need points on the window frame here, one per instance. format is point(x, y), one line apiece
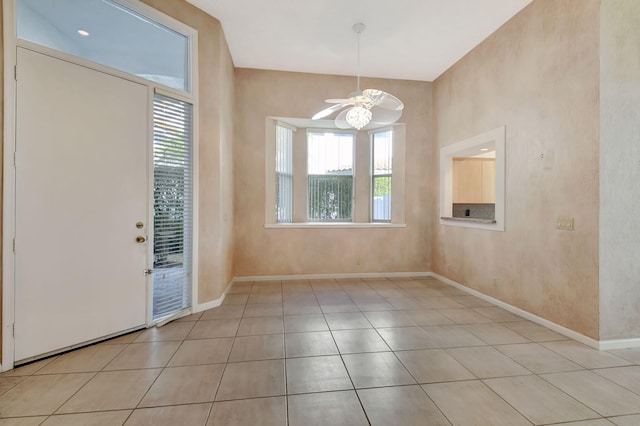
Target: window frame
point(353, 172)
point(188, 203)
point(146, 13)
point(373, 175)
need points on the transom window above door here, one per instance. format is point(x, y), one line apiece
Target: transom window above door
point(111, 33)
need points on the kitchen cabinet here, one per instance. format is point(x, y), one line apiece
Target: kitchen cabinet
point(474, 180)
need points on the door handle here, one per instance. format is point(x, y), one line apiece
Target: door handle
point(140, 239)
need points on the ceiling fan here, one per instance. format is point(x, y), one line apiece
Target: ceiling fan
point(368, 108)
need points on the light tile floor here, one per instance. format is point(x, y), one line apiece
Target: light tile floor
point(408, 351)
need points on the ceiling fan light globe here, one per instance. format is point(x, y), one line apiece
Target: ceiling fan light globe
point(373, 93)
point(358, 117)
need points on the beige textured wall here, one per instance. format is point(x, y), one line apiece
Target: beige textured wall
point(539, 76)
point(619, 169)
point(1, 148)
point(226, 181)
point(260, 251)
point(216, 97)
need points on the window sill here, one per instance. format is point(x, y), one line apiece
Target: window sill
point(469, 219)
point(333, 225)
point(470, 222)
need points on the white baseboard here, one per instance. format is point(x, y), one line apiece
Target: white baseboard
point(331, 276)
point(609, 345)
point(524, 314)
point(212, 303)
point(209, 305)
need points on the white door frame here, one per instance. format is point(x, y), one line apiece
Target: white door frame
point(8, 183)
point(9, 145)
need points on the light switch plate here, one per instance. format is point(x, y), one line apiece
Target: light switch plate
point(564, 223)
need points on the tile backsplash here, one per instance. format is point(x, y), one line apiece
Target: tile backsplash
point(476, 211)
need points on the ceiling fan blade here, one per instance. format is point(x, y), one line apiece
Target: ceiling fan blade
point(341, 120)
point(385, 116)
point(328, 111)
point(338, 101)
point(383, 99)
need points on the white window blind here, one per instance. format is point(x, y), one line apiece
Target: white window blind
point(173, 205)
point(284, 174)
point(381, 174)
point(330, 176)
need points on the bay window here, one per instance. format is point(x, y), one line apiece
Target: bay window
point(328, 177)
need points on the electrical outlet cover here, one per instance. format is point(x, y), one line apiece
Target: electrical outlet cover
point(564, 223)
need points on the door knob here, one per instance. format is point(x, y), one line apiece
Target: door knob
point(140, 239)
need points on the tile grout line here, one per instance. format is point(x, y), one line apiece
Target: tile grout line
point(95, 374)
point(344, 364)
point(608, 379)
point(541, 376)
point(286, 387)
point(481, 380)
point(416, 380)
point(224, 369)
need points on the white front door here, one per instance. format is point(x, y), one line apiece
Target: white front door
point(81, 188)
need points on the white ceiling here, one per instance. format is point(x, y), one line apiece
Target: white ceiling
point(404, 39)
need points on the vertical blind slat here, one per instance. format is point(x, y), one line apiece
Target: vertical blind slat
point(284, 175)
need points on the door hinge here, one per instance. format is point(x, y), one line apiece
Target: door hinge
point(14, 329)
point(15, 72)
point(14, 159)
point(14, 245)
point(148, 272)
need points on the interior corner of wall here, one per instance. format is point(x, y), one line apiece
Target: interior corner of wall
point(200, 306)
